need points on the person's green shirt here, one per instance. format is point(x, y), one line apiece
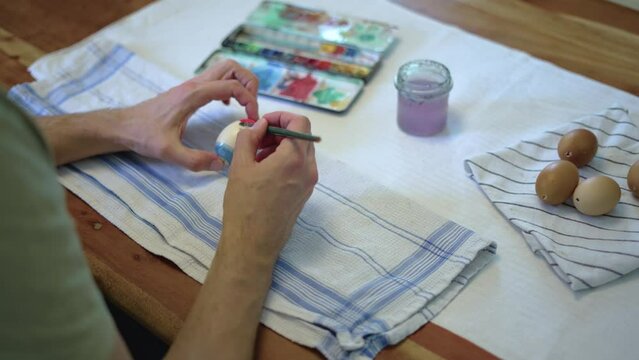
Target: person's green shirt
point(50, 306)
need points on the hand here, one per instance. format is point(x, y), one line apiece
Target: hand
point(270, 180)
point(155, 127)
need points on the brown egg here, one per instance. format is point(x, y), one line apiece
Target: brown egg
point(633, 179)
point(556, 182)
point(578, 146)
point(597, 195)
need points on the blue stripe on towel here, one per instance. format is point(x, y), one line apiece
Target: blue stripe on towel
point(101, 71)
point(383, 272)
point(375, 289)
point(72, 168)
point(395, 229)
point(179, 205)
point(415, 265)
point(194, 218)
point(24, 95)
point(95, 50)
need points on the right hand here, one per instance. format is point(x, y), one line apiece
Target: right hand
point(270, 180)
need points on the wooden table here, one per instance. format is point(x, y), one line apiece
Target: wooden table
point(591, 37)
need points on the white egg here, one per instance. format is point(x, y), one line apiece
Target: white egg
point(225, 143)
point(596, 196)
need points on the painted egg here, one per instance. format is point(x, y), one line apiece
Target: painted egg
point(225, 143)
point(633, 179)
point(596, 196)
point(578, 146)
point(556, 182)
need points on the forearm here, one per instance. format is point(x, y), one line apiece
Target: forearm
point(224, 319)
point(77, 136)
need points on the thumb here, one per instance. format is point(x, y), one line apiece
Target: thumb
point(194, 160)
point(248, 141)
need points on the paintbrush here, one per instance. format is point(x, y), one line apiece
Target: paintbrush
point(274, 130)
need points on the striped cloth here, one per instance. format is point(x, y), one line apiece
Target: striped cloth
point(584, 251)
point(364, 267)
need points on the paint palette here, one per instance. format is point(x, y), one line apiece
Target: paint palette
point(305, 55)
point(295, 82)
point(361, 33)
point(314, 54)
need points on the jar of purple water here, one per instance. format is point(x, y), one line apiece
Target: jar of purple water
point(422, 89)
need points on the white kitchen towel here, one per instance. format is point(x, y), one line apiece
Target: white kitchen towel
point(364, 267)
point(584, 251)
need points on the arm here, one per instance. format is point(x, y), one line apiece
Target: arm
point(225, 316)
point(154, 127)
point(77, 136)
point(223, 321)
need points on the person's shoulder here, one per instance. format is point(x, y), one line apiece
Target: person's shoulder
point(16, 127)
point(51, 305)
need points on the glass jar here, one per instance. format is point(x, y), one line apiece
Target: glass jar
point(422, 89)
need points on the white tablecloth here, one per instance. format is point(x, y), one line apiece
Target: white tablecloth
point(516, 307)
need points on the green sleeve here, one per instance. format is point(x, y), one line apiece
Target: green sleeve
point(50, 306)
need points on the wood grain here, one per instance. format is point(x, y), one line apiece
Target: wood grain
point(603, 12)
point(16, 48)
point(11, 71)
point(597, 50)
point(52, 25)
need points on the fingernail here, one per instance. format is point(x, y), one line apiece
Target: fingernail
point(247, 122)
point(258, 123)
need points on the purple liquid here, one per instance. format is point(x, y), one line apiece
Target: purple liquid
point(422, 116)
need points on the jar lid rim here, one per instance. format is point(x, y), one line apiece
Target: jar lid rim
point(441, 87)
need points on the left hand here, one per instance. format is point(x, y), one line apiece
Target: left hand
point(155, 127)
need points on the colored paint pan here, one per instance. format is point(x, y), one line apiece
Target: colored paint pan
point(240, 40)
point(295, 82)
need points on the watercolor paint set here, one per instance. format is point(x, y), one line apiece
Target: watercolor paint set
point(295, 82)
point(319, 24)
point(315, 55)
point(305, 55)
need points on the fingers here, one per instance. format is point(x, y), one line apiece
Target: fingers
point(224, 90)
point(248, 142)
point(245, 77)
point(254, 139)
point(192, 159)
point(284, 120)
point(270, 140)
point(264, 152)
point(289, 121)
point(293, 122)
point(231, 70)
